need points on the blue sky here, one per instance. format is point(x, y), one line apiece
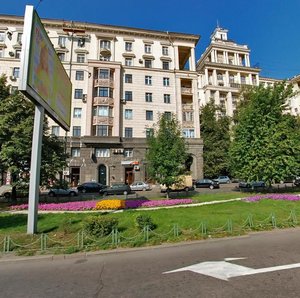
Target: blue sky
point(269, 27)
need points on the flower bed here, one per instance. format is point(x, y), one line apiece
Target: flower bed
point(104, 205)
point(286, 197)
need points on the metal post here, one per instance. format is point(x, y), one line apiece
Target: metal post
point(35, 168)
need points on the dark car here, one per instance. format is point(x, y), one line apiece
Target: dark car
point(207, 183)
point(63, 192)
point(116, 189)
point(252, 185)
point(297, 181)
point(90, 187)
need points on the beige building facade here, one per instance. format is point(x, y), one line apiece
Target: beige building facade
point(122, 78)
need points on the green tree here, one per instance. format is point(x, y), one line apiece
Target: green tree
point(215, 132)
point(266, 140)
point(16, 128)
point(167, 152)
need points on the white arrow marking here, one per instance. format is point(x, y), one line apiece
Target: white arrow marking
point(224, 270)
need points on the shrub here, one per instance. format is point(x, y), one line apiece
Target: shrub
point(100, 225)
point(110, 204)
point(145, 220)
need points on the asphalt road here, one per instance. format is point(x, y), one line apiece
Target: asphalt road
point(141, 272)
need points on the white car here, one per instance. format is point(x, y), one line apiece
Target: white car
point(139, 185)
point(5, 191)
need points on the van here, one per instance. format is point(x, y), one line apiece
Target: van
point(5, 191)
point(186, 183)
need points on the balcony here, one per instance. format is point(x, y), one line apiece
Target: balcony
point(103, 120)
point(104, 83)
point(187, 107)
point(103, 101)
point(105, 52)
point(186, 90)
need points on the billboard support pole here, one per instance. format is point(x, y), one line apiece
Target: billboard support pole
point(35, 169)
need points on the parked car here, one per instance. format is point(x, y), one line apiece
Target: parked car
point(252, 185)
point(140, 185)
point(116, 189)
point(5, 191)
point(207, 183)
point(90, 187)
point(53, 192)
point(185, 184)
point(222, 179)
point(297, 181)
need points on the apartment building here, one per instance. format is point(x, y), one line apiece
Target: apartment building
point(223, 69)
point(122, 78)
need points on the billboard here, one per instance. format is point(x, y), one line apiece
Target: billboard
point(43, 78)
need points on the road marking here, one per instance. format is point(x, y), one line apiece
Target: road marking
point(224, 270)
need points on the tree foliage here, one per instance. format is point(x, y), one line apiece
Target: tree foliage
point(16, 129)
point(167, 152)
point(215, 132)
point(266, 141)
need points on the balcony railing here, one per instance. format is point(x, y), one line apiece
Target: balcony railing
point(186, 90)
point(103, 101)
point(187, 107)
point(102, 120)
point(104, 82)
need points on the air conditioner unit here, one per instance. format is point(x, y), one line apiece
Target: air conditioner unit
point(20, 42)
point(136, 168)
point(11, 54)
point(12, 78)
point(84, 97)
point(141, 61)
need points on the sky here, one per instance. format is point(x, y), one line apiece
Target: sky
point(270, 28)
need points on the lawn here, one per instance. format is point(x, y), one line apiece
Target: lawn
point(177, 224)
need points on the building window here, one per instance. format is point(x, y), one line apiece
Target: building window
point(128, 46)
point(148, 63)
point(128, 114)
point(148, 80)
point(149, 132)
point(105, 44)
point(19, 37)
point(167, 98)
point(166, 82)
point(128, 62)
point(2, 36)
point(243, 80)
point(103, 73)
point(220, 77)
point(81, 42)
point(104, 92)
point(2, 53)
point(149, 115)
point(148, 97)
point(165, 51)
point(128, 78)
point(77, 112)
point(18, 54)
point(61, 56)
point(166, 65)
point(102, 130)
point(104, 58)
point(76, 131)
point(168, 115)
point(188, 133)
point(128, 152)
point(62, 41)
point(16, 72)
point(148, 48)
point(79, 76)
point(102, 152)
point(78, 93)
point(103, 111)
point(55, 130)
point(75, 152)
point(128, 95)
point(128, 132)
point(80, 58)
point(188, 116)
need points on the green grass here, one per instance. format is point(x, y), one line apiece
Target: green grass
point(64, 228)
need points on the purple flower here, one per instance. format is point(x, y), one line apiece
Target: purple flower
point(286, 197)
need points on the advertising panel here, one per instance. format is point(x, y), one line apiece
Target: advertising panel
point(43, 77)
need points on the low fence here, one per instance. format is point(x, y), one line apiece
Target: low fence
point(83, 242)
